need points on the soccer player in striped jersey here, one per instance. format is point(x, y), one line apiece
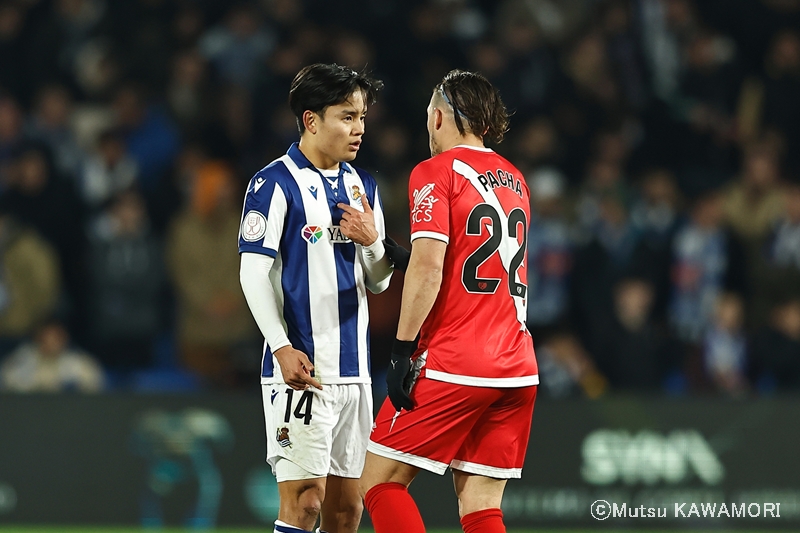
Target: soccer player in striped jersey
point(311, 245)
point(463, 396)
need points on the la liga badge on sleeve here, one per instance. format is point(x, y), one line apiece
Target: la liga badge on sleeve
point(254, 226)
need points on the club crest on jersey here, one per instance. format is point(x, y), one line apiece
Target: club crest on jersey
point(283, 437)
point(312, 233)
point(355, 192)
point(254, 226)
point(423, 203)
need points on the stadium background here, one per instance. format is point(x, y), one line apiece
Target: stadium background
point(660, 140)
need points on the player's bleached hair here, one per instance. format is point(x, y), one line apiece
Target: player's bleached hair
point(319, 86)
point(476, 103)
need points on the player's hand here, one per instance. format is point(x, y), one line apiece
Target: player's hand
point(399, 378)
point(398, 255)
point(296, 368)
point(359, 226)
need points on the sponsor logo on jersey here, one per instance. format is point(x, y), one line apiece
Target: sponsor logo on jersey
point(283, 437)
point(336, 236)
point(312, 233)
point(423, 204)
point(254, 226)
point(313, 190)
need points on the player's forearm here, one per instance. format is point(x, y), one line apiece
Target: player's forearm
point(254, 278)
point(421, 286)
point(377, 267)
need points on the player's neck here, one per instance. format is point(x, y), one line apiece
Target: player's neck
point(465, 140)
point(317, 158)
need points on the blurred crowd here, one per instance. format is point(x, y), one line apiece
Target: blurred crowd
point(660, 140)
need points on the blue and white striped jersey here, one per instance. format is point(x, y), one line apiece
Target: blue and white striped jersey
point(290, 214)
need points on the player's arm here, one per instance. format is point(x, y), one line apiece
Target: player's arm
point(420, 289)
point(254, 277)
point(361, 228)
point(421, 285)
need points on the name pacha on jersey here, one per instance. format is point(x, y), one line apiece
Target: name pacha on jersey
point(503, 179)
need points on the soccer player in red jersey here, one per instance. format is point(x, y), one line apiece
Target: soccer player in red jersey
point(463, 397)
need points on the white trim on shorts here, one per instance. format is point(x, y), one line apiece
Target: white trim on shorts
point(475, 381)
point(487, 471)
point(414, 460)
point(286, 470)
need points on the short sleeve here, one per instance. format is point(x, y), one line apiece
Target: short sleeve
point(263, 216)
point(429, 201)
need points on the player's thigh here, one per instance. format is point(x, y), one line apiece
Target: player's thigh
point(429, 435)
point(498, 442)
point(350, 433)
point(299, 427)
point(476, 493)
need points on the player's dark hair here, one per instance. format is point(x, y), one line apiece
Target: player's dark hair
point(477, 102)
point(319, 86)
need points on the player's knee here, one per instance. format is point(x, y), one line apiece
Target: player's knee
point(310, 500)
point(353, 510)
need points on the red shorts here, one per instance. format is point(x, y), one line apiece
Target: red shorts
point(480, 430)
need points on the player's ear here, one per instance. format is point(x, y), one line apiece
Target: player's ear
point(310, 121)
point(438, 118)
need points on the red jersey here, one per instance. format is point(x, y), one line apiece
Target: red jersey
point(477, 202)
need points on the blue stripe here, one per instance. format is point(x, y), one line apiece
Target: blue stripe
point(345, 256)
point(267, 367)
point(257, 249)
point(348, 309)
point(294, 275)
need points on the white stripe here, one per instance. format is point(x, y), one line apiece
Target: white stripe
point(322, 281)
point(508, 246)
point(351, 179)
point(488, 471)
point(414, 460)
point(474, 381)
point(430, 235)
point(276, 217)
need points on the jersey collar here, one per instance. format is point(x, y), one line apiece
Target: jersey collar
point(477, 148)
point(302, 161)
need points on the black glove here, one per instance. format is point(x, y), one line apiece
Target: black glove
point(398, 255)
point(399, 377)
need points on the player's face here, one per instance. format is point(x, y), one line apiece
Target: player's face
point(340, 129)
